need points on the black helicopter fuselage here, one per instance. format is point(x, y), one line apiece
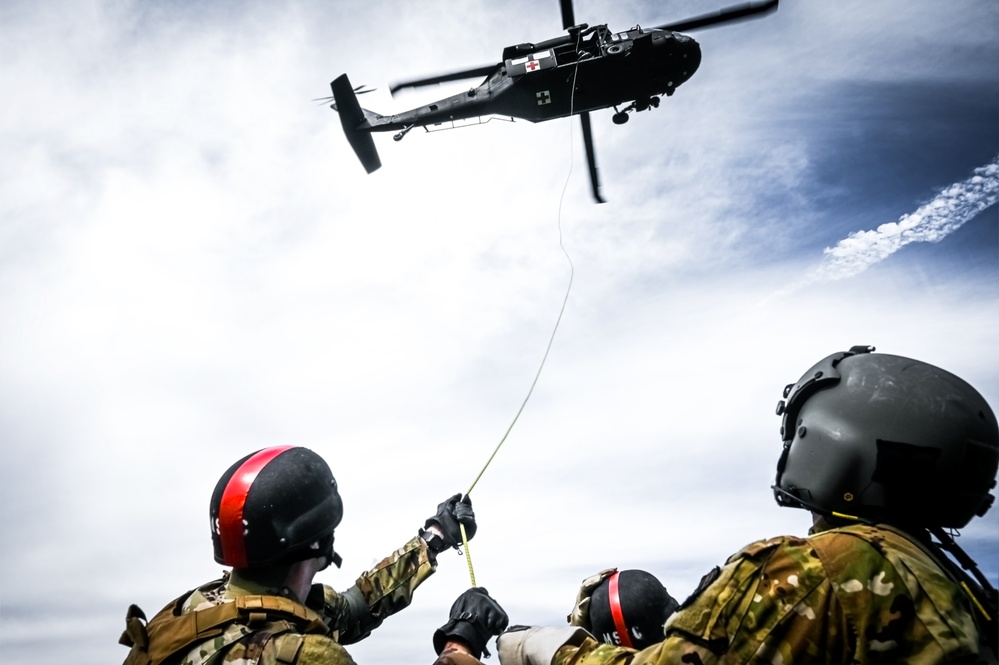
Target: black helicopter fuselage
point(583, 71)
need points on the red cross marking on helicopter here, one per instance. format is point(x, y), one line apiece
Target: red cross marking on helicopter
point(531, 65)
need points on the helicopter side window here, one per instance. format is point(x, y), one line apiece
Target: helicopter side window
point(587, 46)
point(565, 54)
point(579, 49)
point(592, 42)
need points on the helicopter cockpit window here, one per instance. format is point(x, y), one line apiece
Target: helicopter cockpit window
point(565, 54)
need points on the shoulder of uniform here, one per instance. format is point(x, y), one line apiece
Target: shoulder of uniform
point(765, 580)
point(868, 568)
point(855, 544)
point(786, 555)
point(877, 536)
point(754, 560)
point(200, 597)
point(858, 530)
point(320, 650)
point(763, 548)
point(858, 550)
point(877, 569)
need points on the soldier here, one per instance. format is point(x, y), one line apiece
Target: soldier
point(272, 519)
point(625, 608)
point(888, 454)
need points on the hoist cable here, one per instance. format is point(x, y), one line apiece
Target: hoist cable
point(551, 340)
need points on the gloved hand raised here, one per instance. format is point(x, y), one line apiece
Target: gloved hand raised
point(450, 514)
point(475, 617)
point(580, 615)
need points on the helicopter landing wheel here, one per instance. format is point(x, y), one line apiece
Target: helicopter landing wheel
point(654, 102)
point(620, 118)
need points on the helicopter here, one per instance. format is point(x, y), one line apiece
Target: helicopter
point(584, 70)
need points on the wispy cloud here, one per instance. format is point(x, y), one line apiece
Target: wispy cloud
point(932, 222)
point(193, 265)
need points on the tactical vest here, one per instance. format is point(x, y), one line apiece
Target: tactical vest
point(171, 634)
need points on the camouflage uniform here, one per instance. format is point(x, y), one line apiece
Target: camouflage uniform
point(288, 632)
point(855, 594)
point(456, 657)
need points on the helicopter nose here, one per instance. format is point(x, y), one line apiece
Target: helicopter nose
point(686, 56)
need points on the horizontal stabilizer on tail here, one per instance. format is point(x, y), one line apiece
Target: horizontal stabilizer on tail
point(352, 119)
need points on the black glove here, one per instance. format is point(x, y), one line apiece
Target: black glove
point(475, 617)
point(450, 514)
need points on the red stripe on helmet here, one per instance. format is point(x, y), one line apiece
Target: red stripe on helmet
point(231, 526)
point(615, 605)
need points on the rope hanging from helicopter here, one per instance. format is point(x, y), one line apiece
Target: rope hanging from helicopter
point(551, 339)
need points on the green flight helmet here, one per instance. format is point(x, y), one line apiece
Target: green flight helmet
point(885, 438)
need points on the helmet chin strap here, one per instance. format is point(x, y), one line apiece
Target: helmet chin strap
point(330, 555)
point(789, 500)
point(614, 598)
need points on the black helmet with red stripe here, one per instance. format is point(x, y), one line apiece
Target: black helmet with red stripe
point(629, 609)
point(275, 506)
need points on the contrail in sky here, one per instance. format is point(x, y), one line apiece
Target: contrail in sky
point(931, 222)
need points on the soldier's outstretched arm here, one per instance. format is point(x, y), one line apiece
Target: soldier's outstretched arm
point(388, 587)
point(523, 645)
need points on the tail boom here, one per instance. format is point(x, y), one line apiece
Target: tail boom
point(355, 126)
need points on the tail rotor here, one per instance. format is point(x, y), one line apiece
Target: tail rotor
point(359, 90)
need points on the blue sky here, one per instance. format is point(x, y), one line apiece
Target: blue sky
point(194, 266)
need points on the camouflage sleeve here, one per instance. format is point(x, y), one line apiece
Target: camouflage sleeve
point(592, 652)
point(772, 602)
point(455, 657)
point(851, 595)
point(767, 603)
point(382, 591)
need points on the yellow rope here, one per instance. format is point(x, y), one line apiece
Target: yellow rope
point(551, 340)
point(468, 554)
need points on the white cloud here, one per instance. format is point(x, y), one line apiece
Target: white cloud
point(948, 211)
point(193, 266)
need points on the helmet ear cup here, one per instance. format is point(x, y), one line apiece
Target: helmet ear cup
point(277, 505)
point(642, 603)
point(893, 439)
point(821, 467)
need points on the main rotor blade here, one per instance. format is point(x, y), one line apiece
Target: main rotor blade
point(441, 78)
point(734, 13)
point(591, 158)
point(568, 16)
